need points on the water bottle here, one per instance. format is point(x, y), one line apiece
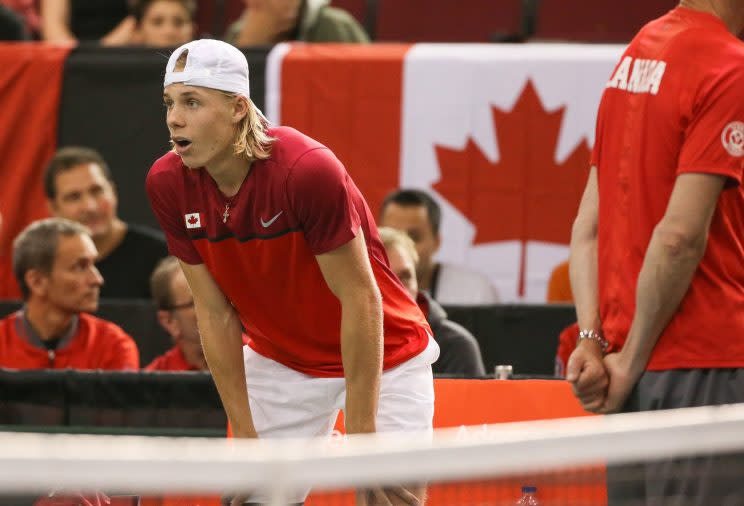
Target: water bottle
point(529, 497)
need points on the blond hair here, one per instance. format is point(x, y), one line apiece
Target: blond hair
point(252, 139)
point(392, 238)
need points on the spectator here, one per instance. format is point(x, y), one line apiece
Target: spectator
point(266, 22)
point(53, 261)
point(67, 21)
point(79, 187)
point(175, 304)
point(11, 25)
point(164, 23)
point(459, 350)
point(418, 214)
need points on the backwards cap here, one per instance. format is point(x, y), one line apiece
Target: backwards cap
point(210, 64)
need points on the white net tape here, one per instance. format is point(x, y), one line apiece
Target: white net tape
point(41, 462)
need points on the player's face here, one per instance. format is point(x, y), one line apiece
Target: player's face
point(202, 124)
point(414, 221)
point(166, 23)
point(74, 282)
point(83, 194)
point(402, 265)
point(184, 321)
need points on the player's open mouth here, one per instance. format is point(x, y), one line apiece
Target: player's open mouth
point(182, 144)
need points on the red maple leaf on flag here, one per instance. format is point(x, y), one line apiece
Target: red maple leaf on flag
point(526, 195)
point(192, 220)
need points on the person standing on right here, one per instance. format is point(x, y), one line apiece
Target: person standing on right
point(657, 250)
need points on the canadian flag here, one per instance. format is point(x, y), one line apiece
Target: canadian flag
point(193, 220)
point(500, 134)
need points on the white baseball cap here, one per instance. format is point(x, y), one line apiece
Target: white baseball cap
point(211, 64)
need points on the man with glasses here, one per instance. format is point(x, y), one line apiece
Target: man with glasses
point(175, 305)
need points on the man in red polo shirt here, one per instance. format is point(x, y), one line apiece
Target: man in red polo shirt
point(273, 235)
point(657, 248)
point(54, 264)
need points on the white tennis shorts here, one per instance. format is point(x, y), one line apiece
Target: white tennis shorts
point(288, 404)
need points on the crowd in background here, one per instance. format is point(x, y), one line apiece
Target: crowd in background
point(131, 259)
point(170, 23)
point(66, 263)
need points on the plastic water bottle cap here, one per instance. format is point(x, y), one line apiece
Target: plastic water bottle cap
point(529, 490)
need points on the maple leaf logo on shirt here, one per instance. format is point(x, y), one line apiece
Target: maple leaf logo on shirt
point(526, 195)
point(193, 220)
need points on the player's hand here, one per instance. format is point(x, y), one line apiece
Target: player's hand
point(622, 381)
point(239, 500)
point(388, 496)
point(586, 373)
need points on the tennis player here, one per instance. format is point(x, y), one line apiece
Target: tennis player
point(274, 236)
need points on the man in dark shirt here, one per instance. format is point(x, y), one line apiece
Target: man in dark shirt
point(459, 350)
point(79, 187)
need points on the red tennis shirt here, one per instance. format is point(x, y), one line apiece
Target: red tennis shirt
point(299, 203)
point(674, 105)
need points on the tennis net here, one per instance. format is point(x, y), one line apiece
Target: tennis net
point(683, 456)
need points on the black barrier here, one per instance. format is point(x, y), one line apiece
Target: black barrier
point(188, 404)
point(523, 336)
point(112, 101)
point(104, 401)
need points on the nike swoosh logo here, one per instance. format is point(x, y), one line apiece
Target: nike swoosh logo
point(267, 224)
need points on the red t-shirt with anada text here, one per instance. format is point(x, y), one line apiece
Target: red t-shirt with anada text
point(674, 105)
point(299, 203)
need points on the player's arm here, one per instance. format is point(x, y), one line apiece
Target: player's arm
point(585, 370)
point(349, 276)
point(220, 331)
point(583, 257)
point(55, 20)
point(674, 252)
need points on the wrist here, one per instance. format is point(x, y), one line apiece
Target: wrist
point(245, 434)
point(632, 368)
point(243, 431)
point(592, 337)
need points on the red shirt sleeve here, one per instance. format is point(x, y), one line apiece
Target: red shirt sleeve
point(163, 201)
point(321, 192)
point(714, 136)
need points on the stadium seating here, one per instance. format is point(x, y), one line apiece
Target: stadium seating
point(448, 21)
point(600, 21)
